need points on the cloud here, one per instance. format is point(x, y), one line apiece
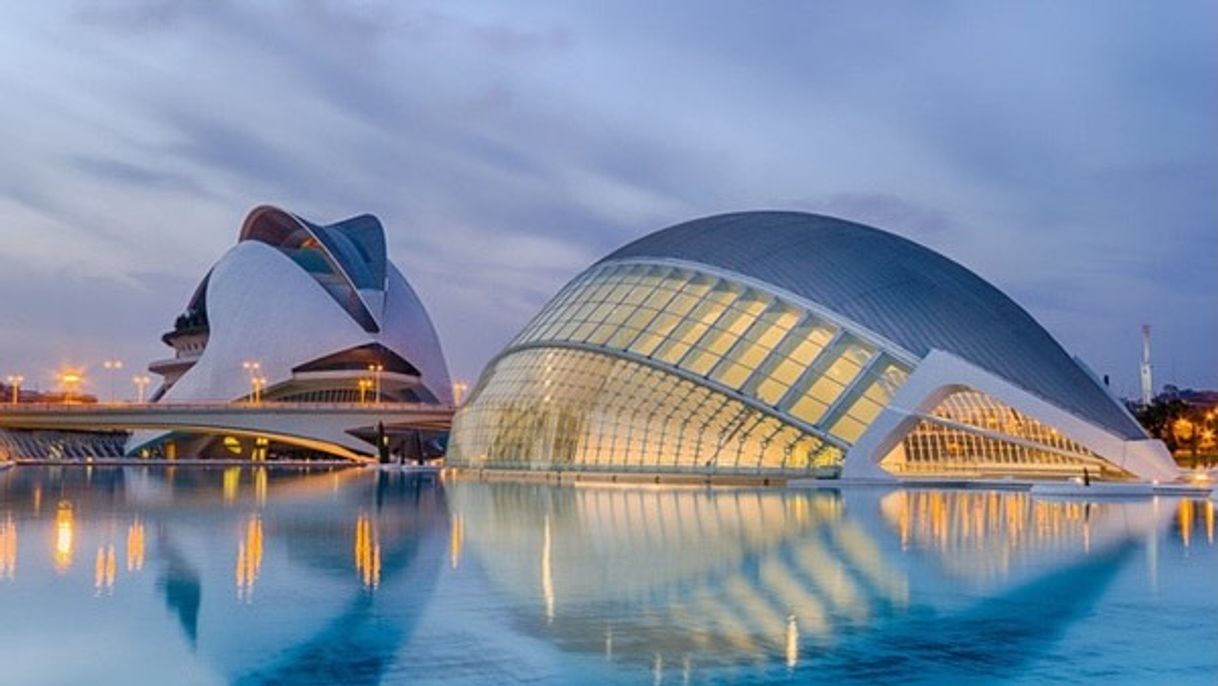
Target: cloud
point(1064, 151)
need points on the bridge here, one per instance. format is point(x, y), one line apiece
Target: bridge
point(332, 428)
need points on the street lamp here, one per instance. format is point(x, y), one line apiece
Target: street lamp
point(70, 380)
point(254, 370)
point(257, 383)
point(112, 366)
point(458, 391)
point(364, 386)
point(376, 370)
point(141, 382)
point(14, 381)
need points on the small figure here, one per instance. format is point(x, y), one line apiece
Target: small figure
point(1086, 477)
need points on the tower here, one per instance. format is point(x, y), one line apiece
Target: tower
point(1147, 386)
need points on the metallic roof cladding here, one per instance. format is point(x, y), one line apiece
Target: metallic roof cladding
point(903, 291)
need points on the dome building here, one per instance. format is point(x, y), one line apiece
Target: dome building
point(793, 344)
point(299, 312)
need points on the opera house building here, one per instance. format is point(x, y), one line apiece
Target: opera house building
point(298, 312)
point(789, 344)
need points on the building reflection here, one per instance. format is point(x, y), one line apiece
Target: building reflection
point(664, 577)
point(8, 548)
point(249, 558)
point(760, 572)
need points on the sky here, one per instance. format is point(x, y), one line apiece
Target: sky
point(1066, 152)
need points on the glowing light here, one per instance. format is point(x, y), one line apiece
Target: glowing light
point(135, 546)
point(1184, 516)
point(70, 381)
point(65, 525)
point(8, 548)
point(260, 486)
point(792, 642)
point(105, 570)
point(249, 559)
point(367, 552)
point(547, 578)
point(141, 382)
point(376, 370)
point(14, 382)
point(456, 538)
point(231, 482)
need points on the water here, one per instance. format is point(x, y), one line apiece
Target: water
point(145, 575)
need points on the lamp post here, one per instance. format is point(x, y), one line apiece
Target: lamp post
point(141, 382)
point(258, 383)
point(254, 370)
point(70, 380)
point(14, 381)
point(112, 366)
point(376, 370)
point(364, 385)
point(458, 391)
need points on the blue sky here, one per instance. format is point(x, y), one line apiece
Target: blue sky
point(1068, 152)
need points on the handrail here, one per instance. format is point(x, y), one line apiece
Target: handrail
point(86, 408)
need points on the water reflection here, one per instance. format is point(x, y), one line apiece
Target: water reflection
point(661, 578)
point(249, 558)
point(135, 546)
point(367, 552)
point(8, 548)
point(356, 576)
point(105, 571)
point(65, 524)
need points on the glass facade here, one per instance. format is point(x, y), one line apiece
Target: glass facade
point(559, 408)
point(660, 330)
point(950, 441)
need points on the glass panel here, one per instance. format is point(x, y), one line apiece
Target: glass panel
point(545, 408)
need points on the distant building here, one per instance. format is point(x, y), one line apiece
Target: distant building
point(793, 344)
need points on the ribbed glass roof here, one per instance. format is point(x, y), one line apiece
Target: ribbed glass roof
point(903, 291)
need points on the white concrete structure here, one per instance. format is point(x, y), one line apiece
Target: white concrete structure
point(299, 312)
point(794, 344)
point(331, 428)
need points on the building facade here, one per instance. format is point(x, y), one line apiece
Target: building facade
point(793, 344)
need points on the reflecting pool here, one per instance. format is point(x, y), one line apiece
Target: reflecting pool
point(246, 576)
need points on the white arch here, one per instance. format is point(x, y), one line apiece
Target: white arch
point(941, 374)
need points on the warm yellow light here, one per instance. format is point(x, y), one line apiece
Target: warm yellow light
point(232, 475)
point(8, 548)
point(456, 539)
point(249, 559)
point(367, 552)
point(135, 546)
point(792, 642)
point(105, 570)
point(65, 525)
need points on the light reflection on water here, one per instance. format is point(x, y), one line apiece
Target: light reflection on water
point(252, 575)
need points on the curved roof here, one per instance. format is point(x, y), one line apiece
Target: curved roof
point(351, 251)
point(903, 291)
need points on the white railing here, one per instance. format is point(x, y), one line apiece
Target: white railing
point(266, 405)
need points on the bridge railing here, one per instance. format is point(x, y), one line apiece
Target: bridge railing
point(85, 408)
